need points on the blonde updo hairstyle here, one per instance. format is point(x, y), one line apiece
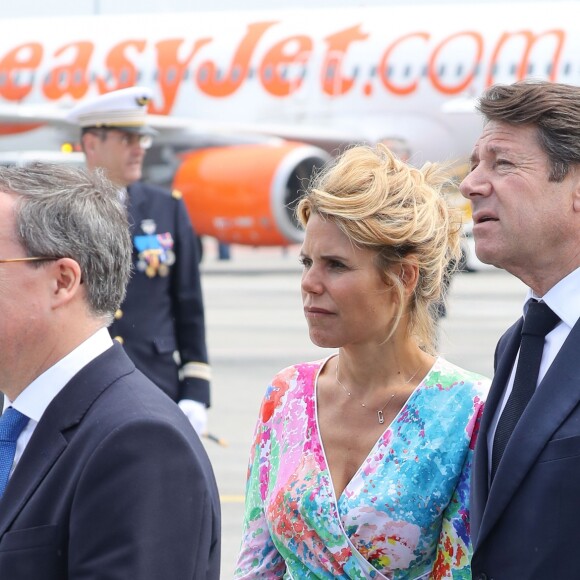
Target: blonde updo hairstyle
point(381, 203)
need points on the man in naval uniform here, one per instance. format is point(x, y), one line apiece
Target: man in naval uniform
point(161, 322)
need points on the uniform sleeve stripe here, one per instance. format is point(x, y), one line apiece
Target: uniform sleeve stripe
point(196, 370)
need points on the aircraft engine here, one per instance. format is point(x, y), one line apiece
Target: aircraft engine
point(246, 194)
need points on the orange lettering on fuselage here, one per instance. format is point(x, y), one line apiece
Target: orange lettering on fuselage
point(384, 66)
point(70, 70)
point(531, 39)
point(467, 79)
point(70, 79)
point(120, 70)
point(171, 71)
point(26, 57)
point(333, 81)
point(208, 75)
point(283, 67)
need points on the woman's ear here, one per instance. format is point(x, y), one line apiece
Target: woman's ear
point(409, 276)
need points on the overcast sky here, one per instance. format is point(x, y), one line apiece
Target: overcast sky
point(31, 8)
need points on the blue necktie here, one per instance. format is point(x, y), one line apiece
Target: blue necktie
point(539, 320)
point(12, 422)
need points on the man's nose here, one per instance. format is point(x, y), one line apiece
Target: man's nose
point(474, 184)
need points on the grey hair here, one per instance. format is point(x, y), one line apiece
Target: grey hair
point(68, 212)
point(552, 108)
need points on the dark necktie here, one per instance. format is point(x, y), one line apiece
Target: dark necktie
point(538, 322)
point(12, 422)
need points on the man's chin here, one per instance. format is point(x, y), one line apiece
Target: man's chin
point(487, 256)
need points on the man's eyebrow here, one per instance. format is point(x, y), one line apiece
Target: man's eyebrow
point(498, 148)
point(491, 149)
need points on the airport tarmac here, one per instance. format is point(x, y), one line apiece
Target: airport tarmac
point(255, 327)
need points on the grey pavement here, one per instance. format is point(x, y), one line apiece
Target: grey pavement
point(255, 327)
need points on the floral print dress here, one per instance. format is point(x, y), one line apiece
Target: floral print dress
point(405, 513)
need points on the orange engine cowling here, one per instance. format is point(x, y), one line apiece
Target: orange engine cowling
point(246, 194)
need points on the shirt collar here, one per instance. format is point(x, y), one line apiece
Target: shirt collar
point(558, 298)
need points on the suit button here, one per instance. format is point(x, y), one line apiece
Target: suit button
point(119, 339)
point(482, 576)
point(118, 314)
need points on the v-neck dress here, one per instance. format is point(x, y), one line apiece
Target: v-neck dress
point(404, 514)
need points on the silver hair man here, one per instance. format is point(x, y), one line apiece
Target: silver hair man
point(69, 212)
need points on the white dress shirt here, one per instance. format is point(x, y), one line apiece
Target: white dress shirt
point(38, 395)
point(564, 300)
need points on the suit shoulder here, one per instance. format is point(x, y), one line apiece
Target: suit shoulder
point(132, 415)
point(133, 395)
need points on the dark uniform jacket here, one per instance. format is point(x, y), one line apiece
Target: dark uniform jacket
point(96, 493)
point(161, 322)
point(525, 526)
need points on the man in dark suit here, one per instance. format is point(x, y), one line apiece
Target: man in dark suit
point(161, 322)
point(101, 475)
point(524, 187)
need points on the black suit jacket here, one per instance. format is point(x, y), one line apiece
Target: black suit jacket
point(526, 526)
point(163, 313)
point(114, 484)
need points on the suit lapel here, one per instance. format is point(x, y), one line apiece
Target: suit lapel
point(557, 395)
point(64, 413)
point(40, 455)
point(480, 479)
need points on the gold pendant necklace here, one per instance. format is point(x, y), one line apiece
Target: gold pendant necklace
point(380, 416)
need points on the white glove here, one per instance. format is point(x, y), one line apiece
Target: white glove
point(196, 412)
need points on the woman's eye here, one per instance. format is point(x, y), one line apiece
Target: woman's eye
point(336, 264)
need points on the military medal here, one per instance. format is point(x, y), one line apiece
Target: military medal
point(155, 253)
point(170, 257)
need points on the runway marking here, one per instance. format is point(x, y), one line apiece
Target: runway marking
point(232, 498)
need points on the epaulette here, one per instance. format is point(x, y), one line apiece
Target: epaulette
point(176, 194)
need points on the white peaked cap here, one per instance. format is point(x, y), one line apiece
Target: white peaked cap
point(124, 109)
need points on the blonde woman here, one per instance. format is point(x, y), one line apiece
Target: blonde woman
point(360, 463)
